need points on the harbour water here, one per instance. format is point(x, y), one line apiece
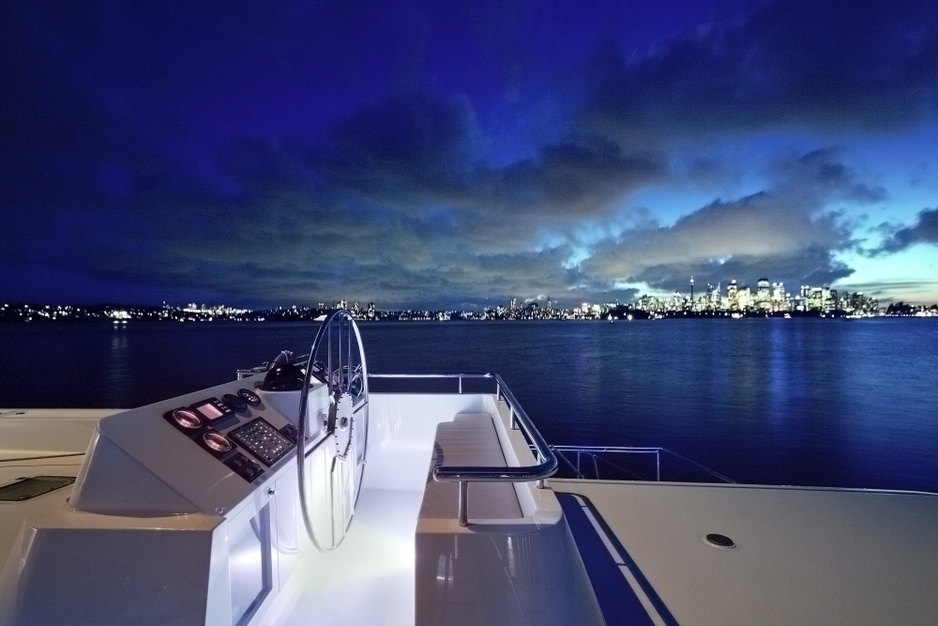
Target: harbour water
point(804, 401)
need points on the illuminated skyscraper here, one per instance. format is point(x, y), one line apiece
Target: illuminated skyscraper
point(779, 297)
point(732, 295)
point(815, 299)
point(763, 295)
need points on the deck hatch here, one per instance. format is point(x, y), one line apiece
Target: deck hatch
point(32, 486)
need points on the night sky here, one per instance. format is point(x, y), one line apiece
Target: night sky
point(457, 154)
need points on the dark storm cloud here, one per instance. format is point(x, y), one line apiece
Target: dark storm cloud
point(886, 291)
point(412, 152)
point(396, 205)
point(421, 152)
point(572, 180)
point(293, 233)
point(812, 265)
point(792, 65)
point(400, 208)
point(822, 173)
point(298, 152)
point(703, 171)
point(924, 230)
point(784, 233)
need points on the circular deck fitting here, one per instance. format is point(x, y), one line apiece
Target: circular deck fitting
point(719, 541)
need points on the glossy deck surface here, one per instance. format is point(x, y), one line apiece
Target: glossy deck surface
point(369, 579)
point(802, 556)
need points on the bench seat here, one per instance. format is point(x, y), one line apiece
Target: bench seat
point(469, 440)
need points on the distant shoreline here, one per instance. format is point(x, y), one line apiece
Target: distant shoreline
point(119, 315)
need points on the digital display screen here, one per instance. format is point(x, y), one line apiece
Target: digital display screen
point(209, 411)
point(213, 409)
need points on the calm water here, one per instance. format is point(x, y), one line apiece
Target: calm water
point(804, 401)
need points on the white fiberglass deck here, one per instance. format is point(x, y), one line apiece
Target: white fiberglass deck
point(369, 579)
point(802, 556)
point(373, 577)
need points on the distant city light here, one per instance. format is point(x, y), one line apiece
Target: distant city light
point(768, 300)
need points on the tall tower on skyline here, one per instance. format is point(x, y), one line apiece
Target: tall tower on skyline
point(692, 290)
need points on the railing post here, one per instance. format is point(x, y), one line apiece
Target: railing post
point(460, 385)
point(463, 509)
point(658, 463)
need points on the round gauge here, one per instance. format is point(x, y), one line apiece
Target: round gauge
point(187, 419)
point(235, 403)
point(249, 396)
point(217, 442)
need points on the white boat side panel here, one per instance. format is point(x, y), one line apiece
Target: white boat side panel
point(514, 442)
point(83, 556)
point(501, 573)
point(802, 556)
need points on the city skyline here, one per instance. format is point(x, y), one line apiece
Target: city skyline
point(452, 155)
point(769, 298)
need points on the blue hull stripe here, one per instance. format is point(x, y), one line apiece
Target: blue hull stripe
point(610, 567)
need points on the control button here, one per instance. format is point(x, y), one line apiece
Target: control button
point(289, 431)
point(244, 467)
point(250, 397)
point(235, 403)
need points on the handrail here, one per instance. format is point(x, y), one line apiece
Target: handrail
point(592, 451)
point(465, 474)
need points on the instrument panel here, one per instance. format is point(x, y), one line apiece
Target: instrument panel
point(232, 430)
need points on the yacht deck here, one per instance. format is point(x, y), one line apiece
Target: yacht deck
point(802, 555)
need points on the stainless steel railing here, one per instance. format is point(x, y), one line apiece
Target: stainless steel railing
point(518, 420)
point(607, 462)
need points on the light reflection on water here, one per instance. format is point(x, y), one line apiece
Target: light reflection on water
point(816, 402)
point(118, 372)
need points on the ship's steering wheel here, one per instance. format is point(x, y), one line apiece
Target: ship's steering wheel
point(335, 454)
